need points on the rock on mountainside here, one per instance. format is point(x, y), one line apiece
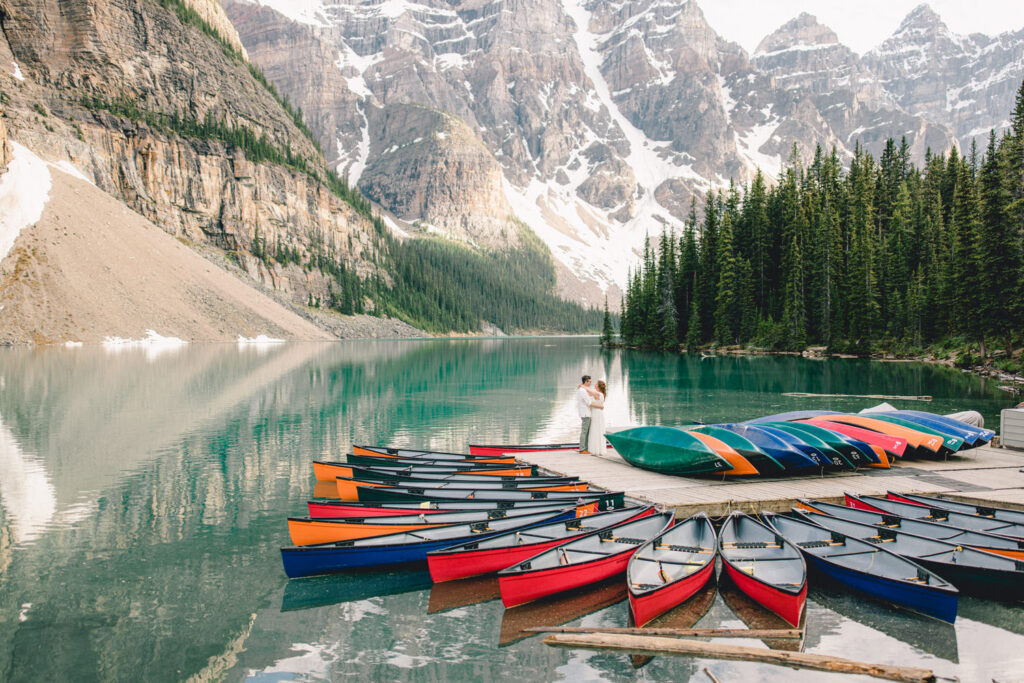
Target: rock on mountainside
point(603, 118)
point(145, 104)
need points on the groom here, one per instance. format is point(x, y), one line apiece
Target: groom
point(583, 401)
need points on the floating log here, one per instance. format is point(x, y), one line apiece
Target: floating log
point(759, 634)
point(696, 648)
point(714, 679)
point(882, 397)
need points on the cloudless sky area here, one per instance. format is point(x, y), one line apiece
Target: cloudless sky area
point(860, 24)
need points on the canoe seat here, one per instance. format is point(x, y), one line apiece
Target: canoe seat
point(682, 548)
point(819, 544)
point(740, 545)
point(624, 539)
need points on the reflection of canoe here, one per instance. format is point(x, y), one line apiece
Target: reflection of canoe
point(308, 530)
point(765, 566)
point(869, 569)
point(452, 594)
point(670, 568)
point(496, 553)
point(560, 609)
point(754, 615)
point(974, 572)
point(308, 560)
point(347, 488)
point(337, 508)
point(1002, 514)
point(683, 616)
point(327, 471)
point(924, 633)
point(387, 452)
point(396, 494)
point(595, 557)
point(668, 450)
point(349, 586)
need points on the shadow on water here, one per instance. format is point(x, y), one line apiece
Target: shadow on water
point(1006, 616)
point(449, 595)
point(928, 635)
point(683, 616)
point(331, 589)
point(559, 609)
point(755, 616)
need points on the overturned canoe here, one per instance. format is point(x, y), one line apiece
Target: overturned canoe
point(668, 450)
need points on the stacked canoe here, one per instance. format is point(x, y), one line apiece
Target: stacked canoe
point(801, 442)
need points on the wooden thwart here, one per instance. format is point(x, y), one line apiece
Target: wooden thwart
point(648, 645)
point(771, 634)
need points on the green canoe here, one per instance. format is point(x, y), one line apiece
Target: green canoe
point(667, 450)
point(765, 464)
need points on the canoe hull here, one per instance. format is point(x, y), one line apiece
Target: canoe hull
point(312, 560)
point(925, 600)
point(787, 605)
point(649, 606)
point(318, 509)
point(520, 588)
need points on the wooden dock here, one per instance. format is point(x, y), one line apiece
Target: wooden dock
point(984, 475)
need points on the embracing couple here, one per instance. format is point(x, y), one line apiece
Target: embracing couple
point(590, 403)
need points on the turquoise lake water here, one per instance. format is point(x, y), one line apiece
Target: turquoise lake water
point(143, 497)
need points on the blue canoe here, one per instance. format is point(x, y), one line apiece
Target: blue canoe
point(784, 453)
point(323, 558)
point(867, 568)
point(972, 435)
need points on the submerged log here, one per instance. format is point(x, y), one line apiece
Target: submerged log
point(759, 634)
point(696, 648)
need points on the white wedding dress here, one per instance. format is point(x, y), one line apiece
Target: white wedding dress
point(595, 437)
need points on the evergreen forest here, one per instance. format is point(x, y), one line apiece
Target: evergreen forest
point(881, 255)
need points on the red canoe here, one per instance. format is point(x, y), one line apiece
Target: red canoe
point(764, 565)
point(580, 562)
point(496, 553)
point(668, 570)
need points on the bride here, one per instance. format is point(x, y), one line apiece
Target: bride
point(595, 438)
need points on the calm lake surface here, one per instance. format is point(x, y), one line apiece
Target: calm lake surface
point(143, 497)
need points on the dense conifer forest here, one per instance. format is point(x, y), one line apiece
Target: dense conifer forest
point(882, 255)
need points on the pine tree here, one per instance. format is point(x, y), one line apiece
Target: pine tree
point(727, 313)
point(607, 331)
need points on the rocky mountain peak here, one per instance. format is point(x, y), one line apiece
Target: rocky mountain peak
point(802, 32)
point(921, 20)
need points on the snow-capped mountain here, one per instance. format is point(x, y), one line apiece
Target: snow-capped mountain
point(596, 122)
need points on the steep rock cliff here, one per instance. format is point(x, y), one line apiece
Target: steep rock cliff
point(121, 89)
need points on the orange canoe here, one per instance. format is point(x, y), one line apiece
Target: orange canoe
point(916, 439)
point(740, 465)
point(327, 471)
